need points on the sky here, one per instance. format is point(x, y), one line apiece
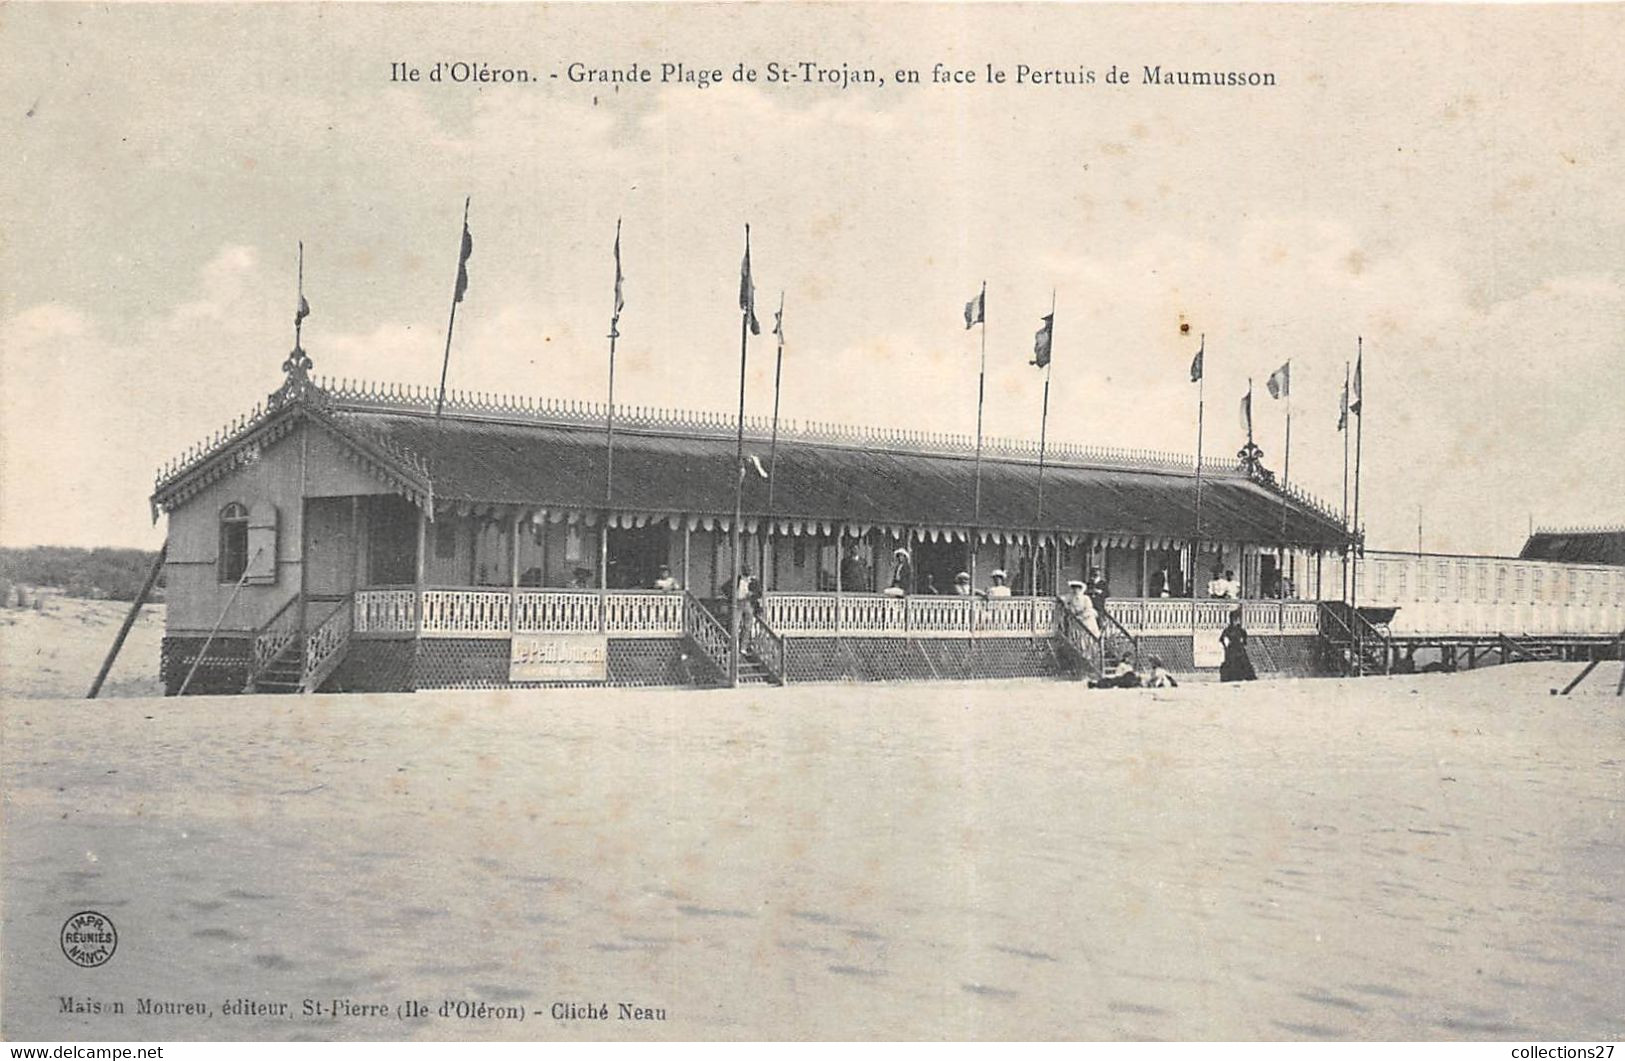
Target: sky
point(1441, 182)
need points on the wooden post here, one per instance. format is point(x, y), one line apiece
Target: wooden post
point(129, 620)
point(686, 532)
point(513, 576)
point(356, 557)
point(417, 578)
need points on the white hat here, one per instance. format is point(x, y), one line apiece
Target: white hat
point(1077, 583)
point(963, 576)
point(900, 552)
point(998, 572)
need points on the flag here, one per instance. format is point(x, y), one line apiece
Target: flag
point(1280, 381)
point(1196, 362)
point(747, 289)
point(778, 320)
point(1343, 408)
point(1041, 342)
point(620, 302)
point(975, 310)
point(302, 312)
point(1354, 407)
point(462, 264)
point(1247, 411)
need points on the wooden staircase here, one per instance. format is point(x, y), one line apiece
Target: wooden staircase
point(291, 659)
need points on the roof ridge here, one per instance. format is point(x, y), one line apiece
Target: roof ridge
point(365, 396)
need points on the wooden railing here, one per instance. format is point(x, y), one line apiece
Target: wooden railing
point(1173, 615)
point(500, 613)
point(274, 638)
point(877, 615)
point(702, 627)
point(325, 645)
point(386, 611)
point(1089, 649)
point(767, 645)
point(488, 612)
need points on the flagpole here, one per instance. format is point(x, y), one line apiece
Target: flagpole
point(773, 444)
point(609, 444)
point(739, 480)
point(981, 393)
point(298, 313)
point(445, 363)
point(1196, 545)
point(1354, 539)
point(1286, 465)
point(1043, 438)
point(1346, 433)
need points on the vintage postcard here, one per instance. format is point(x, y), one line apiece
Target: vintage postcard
point(812, 521)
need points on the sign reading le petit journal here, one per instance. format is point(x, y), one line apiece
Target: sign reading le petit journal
point(559, 657)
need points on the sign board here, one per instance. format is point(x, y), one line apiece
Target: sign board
point(1207, 650)
point(558, 658)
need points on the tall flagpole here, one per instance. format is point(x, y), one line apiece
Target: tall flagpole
point(1345, 428)
point(1286, 461)
point(301, 308)
point(1196, 544)
point(1358, 409)
point(1043, 437)
point(746, 314)
point(773, 444)
point(981, 393)
point(458, 287)
point(609, 444)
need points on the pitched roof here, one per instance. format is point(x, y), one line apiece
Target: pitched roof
point(1601, 545)
point(488, 451)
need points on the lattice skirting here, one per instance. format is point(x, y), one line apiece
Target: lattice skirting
point(224, 668)
point(880, 659)
point(451, 663)
point(376, 666)
point(1296, 656)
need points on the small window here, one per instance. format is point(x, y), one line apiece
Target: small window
point(233, 559)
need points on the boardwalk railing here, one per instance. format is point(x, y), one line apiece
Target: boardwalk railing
point(877, 615)
point(492, 612)
point(500, 613)
point(1172, 615)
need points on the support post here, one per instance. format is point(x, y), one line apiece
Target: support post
point(129, 620)
point(417, 577)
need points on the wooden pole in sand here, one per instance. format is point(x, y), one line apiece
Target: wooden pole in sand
point(129, 621)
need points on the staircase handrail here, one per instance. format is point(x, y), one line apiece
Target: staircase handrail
point(702, 628)
point(1105, 632)
point(325, 645)
point(767, 645)
point(275, 636)
point(1078, 637)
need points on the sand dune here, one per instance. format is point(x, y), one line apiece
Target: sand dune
point(57, 650)
point(1435, 857)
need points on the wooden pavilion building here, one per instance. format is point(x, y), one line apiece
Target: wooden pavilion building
point(343, 536)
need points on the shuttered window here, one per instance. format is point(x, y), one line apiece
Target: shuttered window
point(262, 544)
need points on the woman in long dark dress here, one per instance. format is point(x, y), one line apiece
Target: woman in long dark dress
point(1236, 666)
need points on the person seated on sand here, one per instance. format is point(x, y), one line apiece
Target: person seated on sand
point(1158, 677)
point(1120, 674)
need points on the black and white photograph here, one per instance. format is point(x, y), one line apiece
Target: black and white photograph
point(810, 522)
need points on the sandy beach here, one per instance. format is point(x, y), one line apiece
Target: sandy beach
point(1428, 857)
